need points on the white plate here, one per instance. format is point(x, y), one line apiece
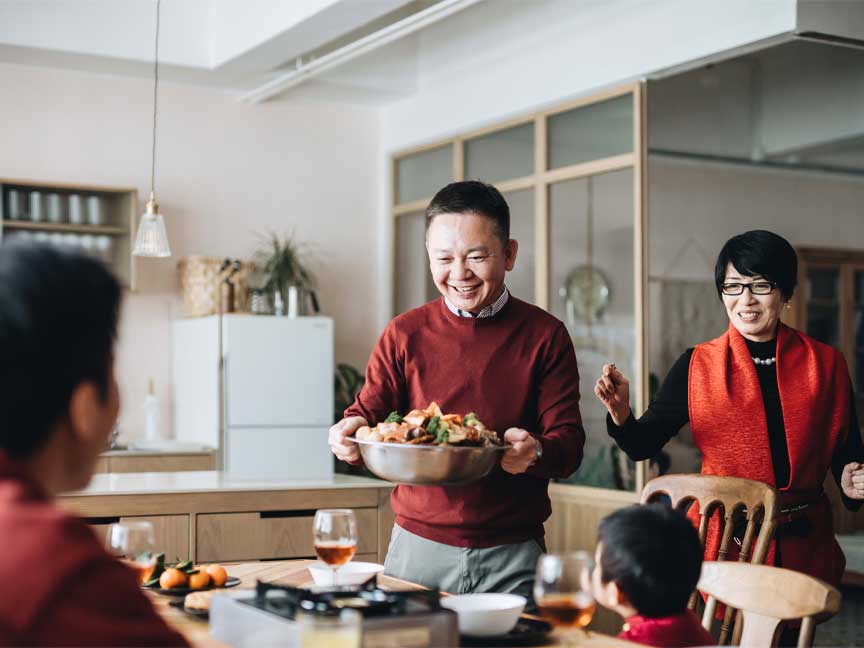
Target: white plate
point(352, 573)
point(485, 615)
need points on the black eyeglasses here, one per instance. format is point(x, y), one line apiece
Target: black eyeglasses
point(756, 288)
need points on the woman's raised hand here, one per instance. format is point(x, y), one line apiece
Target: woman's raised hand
point(852, 480)
point(613, 390)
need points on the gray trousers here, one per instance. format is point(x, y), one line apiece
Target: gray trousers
point(460, 570)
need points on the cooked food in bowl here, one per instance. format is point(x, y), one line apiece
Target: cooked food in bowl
point(431, 427)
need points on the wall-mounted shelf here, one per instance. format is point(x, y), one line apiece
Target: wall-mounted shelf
point(96, 220)
point(65, 227)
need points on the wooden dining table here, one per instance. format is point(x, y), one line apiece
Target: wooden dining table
point(296, 573)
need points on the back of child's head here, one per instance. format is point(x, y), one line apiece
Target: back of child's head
point(653, 554)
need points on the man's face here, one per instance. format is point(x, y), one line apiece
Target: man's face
point(468, 260)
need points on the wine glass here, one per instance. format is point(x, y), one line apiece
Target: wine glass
point(335, 533)
point(133, 543)
point(562, 589)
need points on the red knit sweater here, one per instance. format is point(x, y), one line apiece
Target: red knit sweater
point(60, 587)
point(515, 369)
point(675, 631)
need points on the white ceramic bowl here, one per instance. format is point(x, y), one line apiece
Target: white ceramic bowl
point(352, 573)
point(485, 615)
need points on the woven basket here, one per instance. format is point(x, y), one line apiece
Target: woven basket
point(200, 282)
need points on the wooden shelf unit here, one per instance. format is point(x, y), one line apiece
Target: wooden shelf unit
point(120, 211)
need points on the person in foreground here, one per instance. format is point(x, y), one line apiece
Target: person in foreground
point(648, 561)
point(58, 403)
point(476, 349)
point(765, 402)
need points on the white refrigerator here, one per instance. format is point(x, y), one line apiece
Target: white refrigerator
point(258, 388)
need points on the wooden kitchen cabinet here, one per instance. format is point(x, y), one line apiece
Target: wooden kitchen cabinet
point(171, 532)
point(220, 521)
point(386, 519)
point(155, 462)
point(271, 534)
point(101, 465)
point(161, 463)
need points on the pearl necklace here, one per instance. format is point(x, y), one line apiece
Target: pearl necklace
point(767, 361)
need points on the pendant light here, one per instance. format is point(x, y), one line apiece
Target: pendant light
point(151, 239)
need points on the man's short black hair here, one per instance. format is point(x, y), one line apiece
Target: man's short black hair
point(759, 252)
point(58, 323)
point(472, 197)
point(653, 554)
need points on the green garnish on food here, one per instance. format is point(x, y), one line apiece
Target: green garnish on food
point(443, 435)
point(394, 417)
point(432, 425)
point(470, 419)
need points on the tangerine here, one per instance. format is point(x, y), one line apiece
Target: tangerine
point(199, 580)
point(217, 574)
point(172, 578)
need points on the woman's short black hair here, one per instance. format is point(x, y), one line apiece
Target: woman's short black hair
point(653, 554)
point(759, 253)
point(472, 197)
point(58, 323)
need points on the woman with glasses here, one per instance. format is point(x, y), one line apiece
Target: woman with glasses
point(764, 402)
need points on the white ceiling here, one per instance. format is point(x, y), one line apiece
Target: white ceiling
point(232, 44)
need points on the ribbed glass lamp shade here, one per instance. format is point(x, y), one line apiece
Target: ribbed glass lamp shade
point(151, 239)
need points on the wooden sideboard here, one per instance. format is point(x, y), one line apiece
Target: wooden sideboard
point(128, 462)
point(226, 525)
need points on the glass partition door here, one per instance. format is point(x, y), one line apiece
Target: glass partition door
point(574, 177)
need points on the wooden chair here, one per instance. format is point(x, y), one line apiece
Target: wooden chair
point(767, 596)
point(735, 497)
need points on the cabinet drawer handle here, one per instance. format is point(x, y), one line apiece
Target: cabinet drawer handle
point(102, 520)
point(287, 514)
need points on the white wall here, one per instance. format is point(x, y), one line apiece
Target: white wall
point(694, 208)
point(508, 57)
point(225, 171)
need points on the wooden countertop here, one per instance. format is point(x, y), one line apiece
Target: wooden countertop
point(212, 481)
point(156, 453)
point(296, 573)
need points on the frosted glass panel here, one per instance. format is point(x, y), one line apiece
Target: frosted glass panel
point(502, 155)
point(520, 280)
point(421, 175)
point(592, 132)
point(413, 280)
point(591, 291)
point(823, 306)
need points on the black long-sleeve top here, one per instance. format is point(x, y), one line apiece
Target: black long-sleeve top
point(643, 438)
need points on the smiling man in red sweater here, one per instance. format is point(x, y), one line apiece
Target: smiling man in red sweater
point(476, 349)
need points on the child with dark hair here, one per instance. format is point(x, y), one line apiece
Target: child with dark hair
point(648, 563)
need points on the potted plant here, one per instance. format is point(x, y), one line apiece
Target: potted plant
point(282, 263)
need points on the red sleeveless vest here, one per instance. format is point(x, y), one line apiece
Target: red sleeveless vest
point(727, 415)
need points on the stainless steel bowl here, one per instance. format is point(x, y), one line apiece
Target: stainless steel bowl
point(430, 465)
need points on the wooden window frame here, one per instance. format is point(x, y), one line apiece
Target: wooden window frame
point(541, 181)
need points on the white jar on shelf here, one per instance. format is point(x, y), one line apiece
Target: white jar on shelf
point(88, 244)
point(104, 245)
point(95, 210)
point(15, 205)
point(36, 207)
point(54, 208)
point(76, 209)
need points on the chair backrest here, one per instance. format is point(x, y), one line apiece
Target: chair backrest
point(755, 501)
point(736, 496)
point(766, 597)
